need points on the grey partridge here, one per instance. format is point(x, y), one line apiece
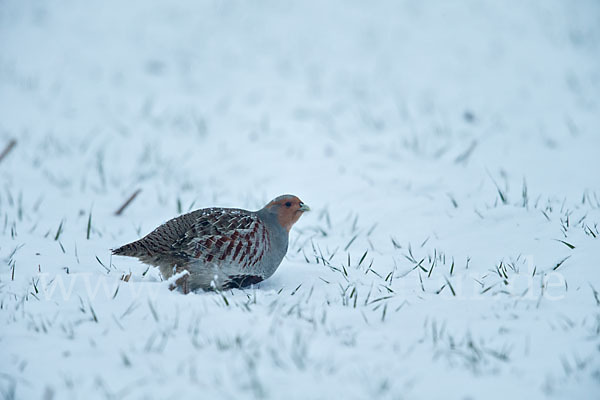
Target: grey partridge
point(220, 248)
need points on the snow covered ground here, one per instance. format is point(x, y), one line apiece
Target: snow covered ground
point(449, 151)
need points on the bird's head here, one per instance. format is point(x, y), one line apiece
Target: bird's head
point(287, 208)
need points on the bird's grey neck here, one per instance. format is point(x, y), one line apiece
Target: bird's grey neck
point(279, 236)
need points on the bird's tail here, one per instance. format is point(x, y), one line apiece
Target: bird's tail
point(134, 249)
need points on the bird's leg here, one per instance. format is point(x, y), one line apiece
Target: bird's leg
point(185, 286)
point(181, 282)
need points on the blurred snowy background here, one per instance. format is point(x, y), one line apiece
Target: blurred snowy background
point(449, 150)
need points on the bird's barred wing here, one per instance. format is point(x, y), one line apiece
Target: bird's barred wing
point(231, 237)
point(161, 240)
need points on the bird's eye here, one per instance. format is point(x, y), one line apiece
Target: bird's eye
point(288, 204)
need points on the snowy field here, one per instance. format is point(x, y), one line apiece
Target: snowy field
point(448, 149)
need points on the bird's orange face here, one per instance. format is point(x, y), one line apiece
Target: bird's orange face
point(289, 209)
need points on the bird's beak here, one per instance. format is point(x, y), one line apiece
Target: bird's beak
point(304, 207)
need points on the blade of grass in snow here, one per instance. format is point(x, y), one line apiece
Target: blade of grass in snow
point(59, 230)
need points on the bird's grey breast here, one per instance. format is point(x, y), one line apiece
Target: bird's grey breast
point(278, 243)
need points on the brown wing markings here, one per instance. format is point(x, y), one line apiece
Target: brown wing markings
point(218, 236)
point(229, 249)
point(252, 255)
point(238, 249)
point(220, 242)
